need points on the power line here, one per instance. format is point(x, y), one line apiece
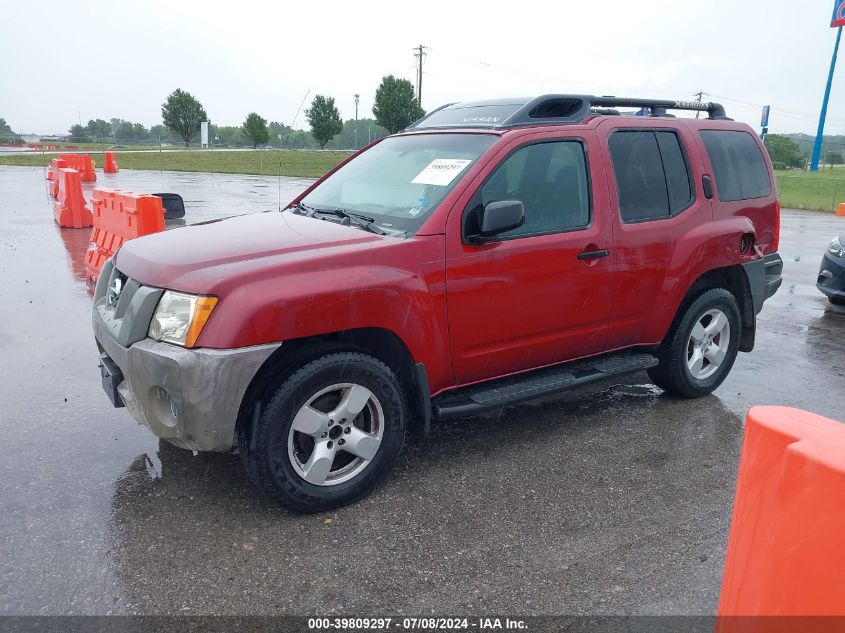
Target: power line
point(541, 77)
point(467, 83)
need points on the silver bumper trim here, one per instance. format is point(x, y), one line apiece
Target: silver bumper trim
point(188, 396)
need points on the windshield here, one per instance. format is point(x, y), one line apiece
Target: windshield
point(400, 181)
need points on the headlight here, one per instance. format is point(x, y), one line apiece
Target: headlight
point(179, 318)
point(836, 248)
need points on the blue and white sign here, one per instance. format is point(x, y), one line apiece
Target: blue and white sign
point(764, 119)
point(838, 18)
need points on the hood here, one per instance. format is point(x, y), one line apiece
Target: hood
point(196, 257)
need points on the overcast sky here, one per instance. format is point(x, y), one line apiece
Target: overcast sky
point(69, 60)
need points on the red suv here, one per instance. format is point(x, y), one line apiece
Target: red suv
point(491, 253)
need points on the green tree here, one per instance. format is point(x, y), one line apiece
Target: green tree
point(139, 132)
point(255, 129)
point(228, 135)
point(783, 150)
point(277, 129)
point(368, 130)
point(833, 158)
point(79, 134)
point(98, 128)
point(182, 114)
point(128, 131)
point(395, 107)
point(324, 119)
point(7, 135)
point(159, 133)
point(123, 132)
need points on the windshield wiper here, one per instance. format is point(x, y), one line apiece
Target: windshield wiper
point(302, 209)
point(365, 222)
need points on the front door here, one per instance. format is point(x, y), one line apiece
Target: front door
point(540, 294)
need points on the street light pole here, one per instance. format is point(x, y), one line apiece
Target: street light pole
point(357, 97)
point(817, 146)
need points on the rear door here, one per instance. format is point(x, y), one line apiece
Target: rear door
point(541, 293)
point(656, 199)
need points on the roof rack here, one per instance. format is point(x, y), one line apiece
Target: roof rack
point(550, 109)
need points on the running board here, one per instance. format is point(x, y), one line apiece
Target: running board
point(537, 383)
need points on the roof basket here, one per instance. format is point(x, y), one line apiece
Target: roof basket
point(551, 109)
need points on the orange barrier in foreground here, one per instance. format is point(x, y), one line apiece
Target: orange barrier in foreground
point(82, 163)
point(53, 176)
point(70, 210)
point(110, 164)
point(840, 210)
point(786, 549)
point(120, 216)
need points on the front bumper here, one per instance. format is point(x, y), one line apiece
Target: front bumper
point(190, 397)
point(831, 279)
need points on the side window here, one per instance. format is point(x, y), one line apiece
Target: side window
point(738, 165)
point(678, 180)
point(652, 175)
point(551, 181)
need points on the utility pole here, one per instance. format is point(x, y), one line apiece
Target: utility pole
point(699, 96)
point(357, 97)
point(419, 53)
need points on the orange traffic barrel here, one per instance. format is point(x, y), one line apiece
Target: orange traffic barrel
point(840, 210)
point(119, 216)
point(70, 210)
point(785, 553)
point(110, 164)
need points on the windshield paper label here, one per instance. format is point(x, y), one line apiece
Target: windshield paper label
point(440, 171)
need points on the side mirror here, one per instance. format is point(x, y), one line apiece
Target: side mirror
point(174, 206)
point(499, 217)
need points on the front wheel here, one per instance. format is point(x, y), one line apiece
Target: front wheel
point(701, 348)
point(329, 434)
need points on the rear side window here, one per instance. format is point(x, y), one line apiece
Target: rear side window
point(677, 173)
point(738, 165)
point(652, 174)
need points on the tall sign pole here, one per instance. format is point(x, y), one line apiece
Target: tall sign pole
point(837, 22)
point(764, 122)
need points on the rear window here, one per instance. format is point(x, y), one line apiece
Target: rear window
point(652, 174)
point(738, 165)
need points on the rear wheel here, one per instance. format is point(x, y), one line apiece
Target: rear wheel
point(329, 434)
point(701, 347)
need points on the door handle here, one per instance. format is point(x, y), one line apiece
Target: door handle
point(707, 185)
point(593, 254)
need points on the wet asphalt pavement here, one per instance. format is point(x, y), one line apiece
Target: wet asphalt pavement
point(613, 500)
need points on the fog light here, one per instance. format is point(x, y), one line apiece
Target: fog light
point(163, 407)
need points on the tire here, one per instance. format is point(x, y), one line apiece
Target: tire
point(692, 366)
point(837, 301)
point(298, 450)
